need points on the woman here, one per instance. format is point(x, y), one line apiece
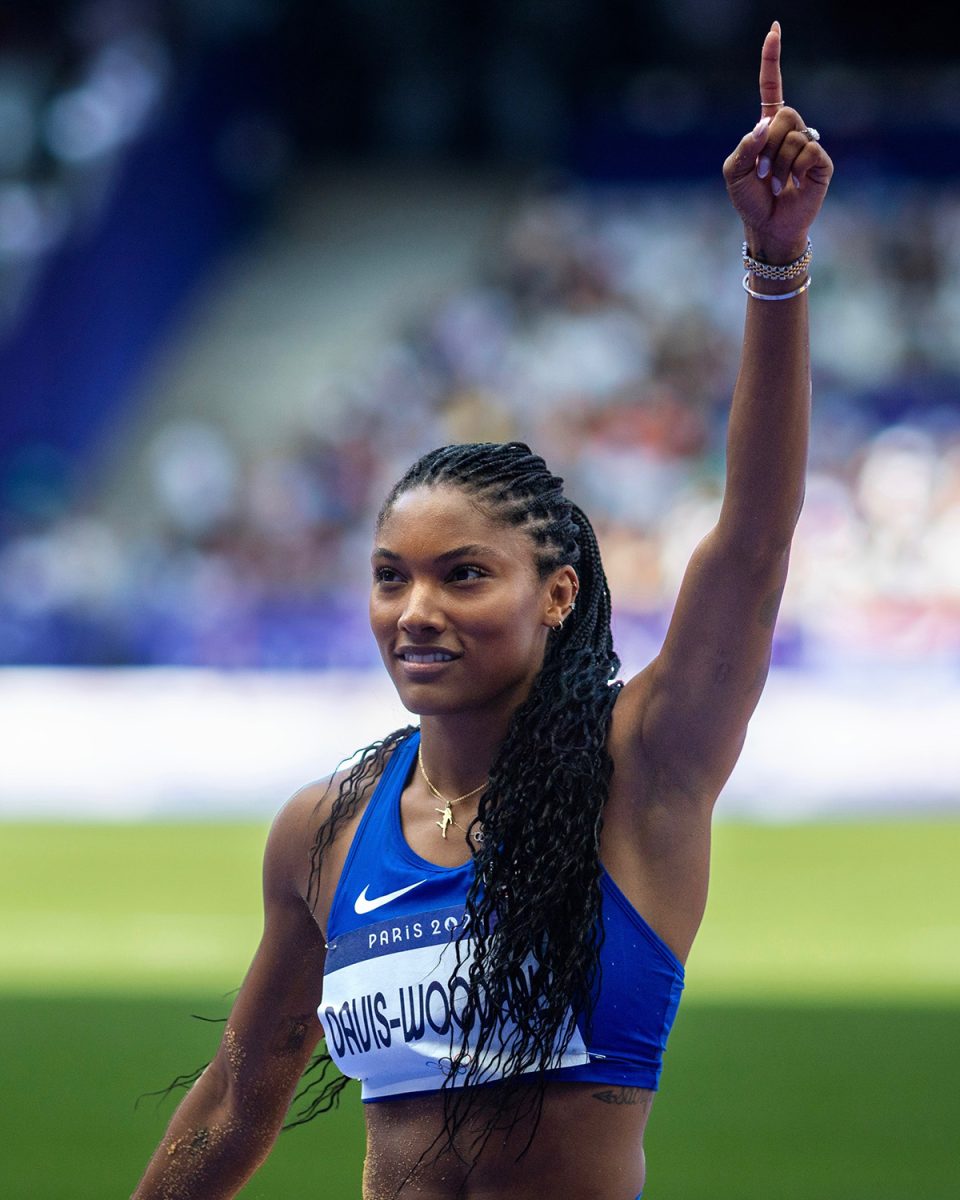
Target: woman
point(491, 913)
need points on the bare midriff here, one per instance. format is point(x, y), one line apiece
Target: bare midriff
point(588, 1146)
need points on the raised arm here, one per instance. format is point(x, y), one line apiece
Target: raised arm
point(689, 711)
point(227, 1123)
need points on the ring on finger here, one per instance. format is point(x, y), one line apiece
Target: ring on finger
point(811, 134)
point(772, 104)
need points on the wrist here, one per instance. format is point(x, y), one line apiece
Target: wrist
point(773, 250)
point(773, 288)
point(776, 281)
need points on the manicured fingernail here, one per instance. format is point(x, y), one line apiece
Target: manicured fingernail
point(760, 126)
point(763, 167)
point(796, 181)
point(776, 186)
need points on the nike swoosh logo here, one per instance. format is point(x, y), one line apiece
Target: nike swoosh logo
point(363, 904)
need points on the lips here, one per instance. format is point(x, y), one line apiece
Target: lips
point(425, 655)
point(424, 660)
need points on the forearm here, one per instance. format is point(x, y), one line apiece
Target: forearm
point(211, 1147)
point(770, 415)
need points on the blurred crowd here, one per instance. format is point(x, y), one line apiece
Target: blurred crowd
point(605, 332)
point(78, 87)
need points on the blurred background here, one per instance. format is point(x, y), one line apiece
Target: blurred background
point(255, 257)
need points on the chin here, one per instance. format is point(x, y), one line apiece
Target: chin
point(429, 706)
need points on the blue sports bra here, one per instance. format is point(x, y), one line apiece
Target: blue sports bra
point(392, 992)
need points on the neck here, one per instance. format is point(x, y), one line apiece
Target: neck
point(459, 751)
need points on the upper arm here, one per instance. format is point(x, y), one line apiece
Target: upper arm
point(273, 1027)
point(688, 712)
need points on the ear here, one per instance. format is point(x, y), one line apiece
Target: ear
point(561, 595)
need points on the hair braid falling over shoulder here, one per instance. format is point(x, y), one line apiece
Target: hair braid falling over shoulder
point(533, 910)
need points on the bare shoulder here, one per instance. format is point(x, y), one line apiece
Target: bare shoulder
point(311, 837)
point(286, 864)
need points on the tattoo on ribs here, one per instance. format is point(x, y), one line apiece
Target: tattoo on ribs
point(621, 1096)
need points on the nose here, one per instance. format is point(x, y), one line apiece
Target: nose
point(422, 610)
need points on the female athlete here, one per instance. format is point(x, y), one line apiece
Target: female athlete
point(487, 916)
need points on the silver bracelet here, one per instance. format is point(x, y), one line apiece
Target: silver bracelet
point(791, 270)
point(776, 296)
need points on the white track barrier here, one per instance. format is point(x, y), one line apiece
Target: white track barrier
point(163, 743)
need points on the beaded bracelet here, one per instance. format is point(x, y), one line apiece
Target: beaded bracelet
point(776, 295)
point(792, 270)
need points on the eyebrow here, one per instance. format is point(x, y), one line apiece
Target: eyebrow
point(475, 549)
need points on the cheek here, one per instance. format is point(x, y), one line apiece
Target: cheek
point(381, 616)
point(517, 630)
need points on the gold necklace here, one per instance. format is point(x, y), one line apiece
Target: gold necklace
point(446, 813)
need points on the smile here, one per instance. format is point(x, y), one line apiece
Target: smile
point(432, 656)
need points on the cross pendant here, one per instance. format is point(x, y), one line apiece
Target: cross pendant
point(446, 819)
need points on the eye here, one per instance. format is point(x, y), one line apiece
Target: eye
point(385, 575)
point(467, 573)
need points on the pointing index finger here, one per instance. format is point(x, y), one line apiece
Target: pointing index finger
point(771, 84)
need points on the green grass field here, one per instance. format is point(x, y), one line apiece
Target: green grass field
point(816, 1054)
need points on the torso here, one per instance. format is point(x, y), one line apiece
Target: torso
point(590, 1140)
point(585, 1149)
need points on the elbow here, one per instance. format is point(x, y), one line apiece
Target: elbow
point(214, 1081)
point(226, 1094)
point(760, 533)
point(757, 549)
point(250, 1097)
point(759, 520)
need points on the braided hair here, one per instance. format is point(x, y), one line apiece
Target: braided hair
point(532, 917)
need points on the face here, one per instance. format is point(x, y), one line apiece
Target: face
point(457, 606)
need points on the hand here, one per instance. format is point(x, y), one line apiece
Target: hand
point(777, 177)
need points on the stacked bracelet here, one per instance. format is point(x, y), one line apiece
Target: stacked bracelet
point(776, 295)
point(778, 274)
point(791, 270)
